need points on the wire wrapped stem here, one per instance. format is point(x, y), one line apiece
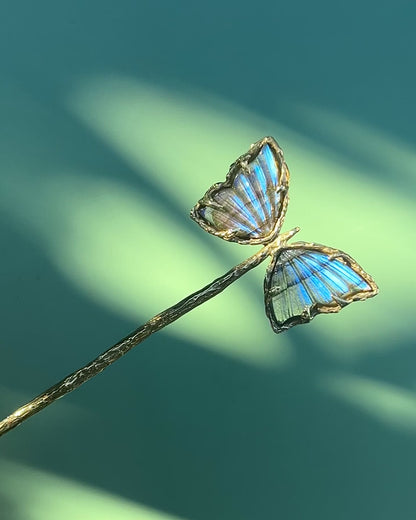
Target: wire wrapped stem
point(158, 322)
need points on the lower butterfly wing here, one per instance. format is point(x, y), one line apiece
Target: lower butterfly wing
point(250, 205)
point(304, 280)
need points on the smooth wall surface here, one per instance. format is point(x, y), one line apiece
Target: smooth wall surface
point(115, 119)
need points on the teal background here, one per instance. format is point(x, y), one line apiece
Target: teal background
point(115, 119)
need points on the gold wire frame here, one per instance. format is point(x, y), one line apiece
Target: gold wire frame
point(310, 311)
point(242, 164)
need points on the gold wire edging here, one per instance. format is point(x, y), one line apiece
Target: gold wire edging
point(241, 164)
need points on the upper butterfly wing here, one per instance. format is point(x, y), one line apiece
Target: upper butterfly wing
point(304, 280)
point(250, 205)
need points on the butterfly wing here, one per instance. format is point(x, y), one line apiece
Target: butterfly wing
point(304, 280)
point(250, 205)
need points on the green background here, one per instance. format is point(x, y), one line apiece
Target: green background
point(115, 119)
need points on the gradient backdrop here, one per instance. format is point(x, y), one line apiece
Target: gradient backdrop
point(115, 119)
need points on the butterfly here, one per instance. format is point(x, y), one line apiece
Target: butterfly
point(303, 279)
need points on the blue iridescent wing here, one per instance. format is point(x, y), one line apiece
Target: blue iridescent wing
point(250, 205)
point(305, 279)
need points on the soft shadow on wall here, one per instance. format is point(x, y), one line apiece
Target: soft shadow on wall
point(216, 417)
point(228, 411)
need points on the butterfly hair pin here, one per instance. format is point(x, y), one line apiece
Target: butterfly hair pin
point(303, 279)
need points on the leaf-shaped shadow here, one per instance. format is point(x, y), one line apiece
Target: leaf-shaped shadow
point(39, 495)
point(255, 439)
